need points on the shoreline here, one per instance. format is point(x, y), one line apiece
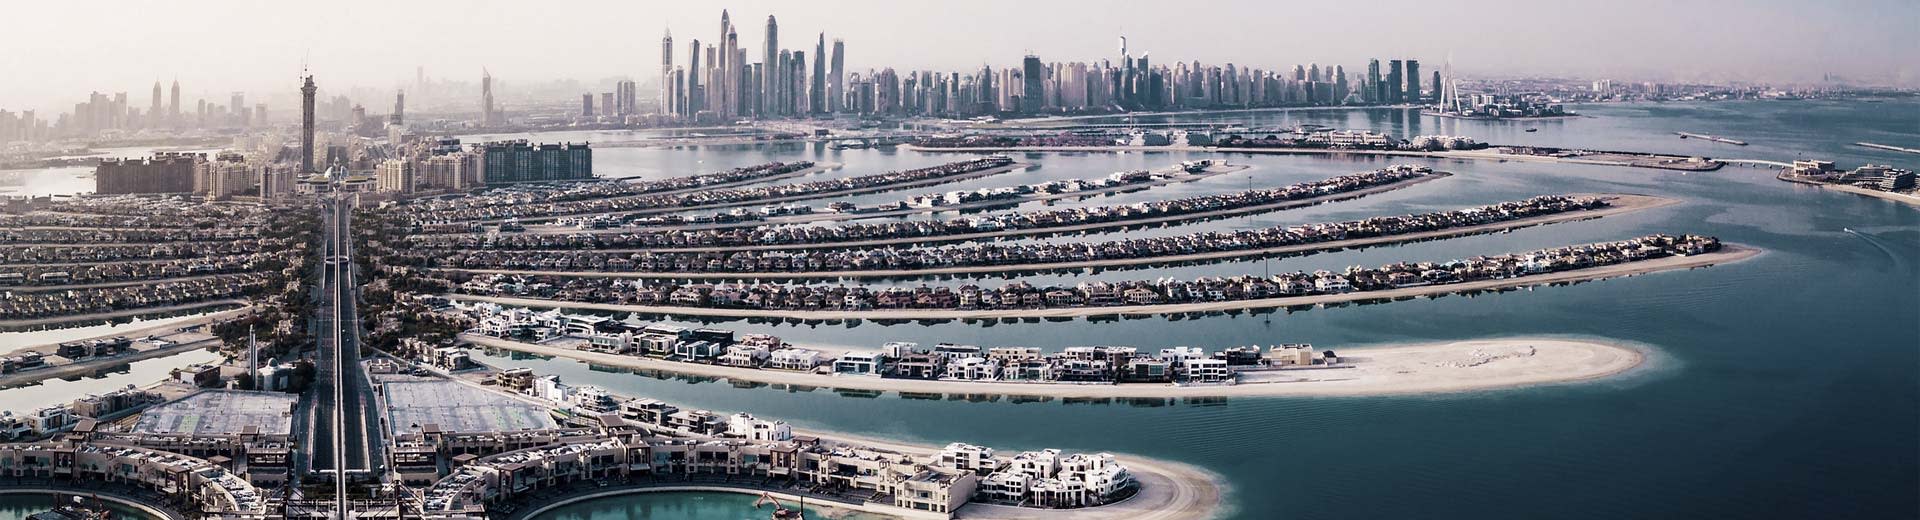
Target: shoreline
point(1446, 154)
point(1910, 200)
point(1728, 253)
point(1375, 370)
point(1625, 203)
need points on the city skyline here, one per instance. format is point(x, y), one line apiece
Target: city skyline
point(623, 45)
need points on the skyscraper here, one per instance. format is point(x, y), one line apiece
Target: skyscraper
point(770, 71)
point(399, 108)
point(1375, 92)
point(695, 95)
point(173, 107)
point(153, 114)
point(816, 92)
point(486, 97)
point(666, 74)
point(836, 77)
point(1413, 81)
point(306, 124)
point(1032, 89)
point(1395, 80)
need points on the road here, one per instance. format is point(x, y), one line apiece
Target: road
point(344, 434)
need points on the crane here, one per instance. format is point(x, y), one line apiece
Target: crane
point(781, 512)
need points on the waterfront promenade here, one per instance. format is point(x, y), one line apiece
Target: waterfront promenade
point(1397, 369)
point(1728, 253)
point(1618, 204)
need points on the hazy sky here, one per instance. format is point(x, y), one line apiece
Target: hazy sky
point(57, 50)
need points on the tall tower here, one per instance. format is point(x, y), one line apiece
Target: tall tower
point(666, 74)
point(1395, 81)
point(486, 97)
point(1413, 82)
point(399, 108)
point(770, 71)
point(153, 114)
point(1376, 91)
point(306, 125)
point(816, 91)
point(1032, 88)
point(720, 86)
point(173, 107)
point(837, 77)
point(695, 95)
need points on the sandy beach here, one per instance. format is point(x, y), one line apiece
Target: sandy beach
point(1727, 254)
point(1372, 370)
point(1620, 204)
point(1910, 200)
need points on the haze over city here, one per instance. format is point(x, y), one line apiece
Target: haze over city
point(218, 47)
point(991, 260)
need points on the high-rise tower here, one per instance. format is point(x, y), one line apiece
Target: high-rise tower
point(153, 114)
point(1413, 82)
point(1376, 91)
point(817, 90)
point(666, 74)
point(770, 71)
point(1395, 81)
point(306, 125)
point(486, 97)
point(837, 76)
point(399, 108)
point(173, 107)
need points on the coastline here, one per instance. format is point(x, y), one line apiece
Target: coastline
point(1402, 369)
point(1622, 204)
point(1727, 254)
point(1446, 154)
point(1910, 200)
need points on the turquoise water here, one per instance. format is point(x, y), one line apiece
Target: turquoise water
point(1787, 385)
point(1782, 386)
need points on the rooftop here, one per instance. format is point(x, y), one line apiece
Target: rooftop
point(221, 412)
point(456, 407)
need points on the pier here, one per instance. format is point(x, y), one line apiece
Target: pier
point(1685, 135)
point(1888, 147)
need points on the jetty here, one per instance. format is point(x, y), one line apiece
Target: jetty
point(1888, 147)
point(1686, 135)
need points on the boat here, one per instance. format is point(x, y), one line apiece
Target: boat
point(1533, 129)
point(76, 508)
